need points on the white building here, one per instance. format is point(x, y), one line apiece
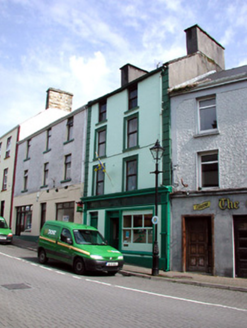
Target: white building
point(209, 156)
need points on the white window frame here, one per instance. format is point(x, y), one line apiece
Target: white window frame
point(130, 245)
point(206, 131)
point(200, 155)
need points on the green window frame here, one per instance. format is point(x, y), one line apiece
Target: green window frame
point(130, 173)
point(131, 132)
point(100, 142)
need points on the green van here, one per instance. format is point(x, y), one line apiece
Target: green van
point(6, 235)
point(78, 245)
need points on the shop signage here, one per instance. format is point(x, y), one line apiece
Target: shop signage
point(202, 206)
point(226, 203)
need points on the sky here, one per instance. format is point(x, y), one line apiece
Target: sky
point(78, 46)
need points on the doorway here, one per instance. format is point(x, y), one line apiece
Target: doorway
point(197, 244)
point(112, 228)
point(240, 236)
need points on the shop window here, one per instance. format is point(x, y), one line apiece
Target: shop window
point(209, 170)
point(137, 231)
point(65, 212)
point(24, 219)
point(207, 114)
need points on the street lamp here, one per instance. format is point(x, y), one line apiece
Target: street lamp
point(157, 152)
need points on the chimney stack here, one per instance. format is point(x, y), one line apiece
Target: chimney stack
point(59, 99)
point(130, 73)
point(199, 40)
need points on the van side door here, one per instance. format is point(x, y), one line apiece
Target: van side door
point(64, 243)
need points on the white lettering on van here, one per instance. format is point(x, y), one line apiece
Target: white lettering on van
point(51, 232)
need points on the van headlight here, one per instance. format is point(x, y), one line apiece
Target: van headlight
point(120, 257)
point(96, 257)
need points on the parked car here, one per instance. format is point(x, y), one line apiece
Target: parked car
point(81, 246)
point(6, 235)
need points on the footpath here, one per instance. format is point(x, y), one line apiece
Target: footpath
point(204, 280)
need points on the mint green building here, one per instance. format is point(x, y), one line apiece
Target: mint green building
point(119, 191)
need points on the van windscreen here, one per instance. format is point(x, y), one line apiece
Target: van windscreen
point(89, 237)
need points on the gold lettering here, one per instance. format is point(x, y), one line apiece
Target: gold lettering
point(222, 202)
point(236, 205)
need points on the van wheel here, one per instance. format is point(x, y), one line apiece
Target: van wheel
point(42, 257)
point(79, 266)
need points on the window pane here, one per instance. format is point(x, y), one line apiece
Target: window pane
point(137, 220)
point(132, 140)
point(132, 125)
point(139, 236)
point(209, 158)
point(127, 221)
point(131, 183)
point(210, 175)
point(207, 102)
point(127, 236)
point(150, 236)
point(208, 118)
point(148, 220)
point(131, 167)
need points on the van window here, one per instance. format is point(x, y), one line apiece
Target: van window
point(65, 234)
point(89, 237)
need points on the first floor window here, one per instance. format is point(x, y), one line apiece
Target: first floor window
point(25, 180)
point(131, 174)
point(132, 132)
point(46, 172)
point(102, 111)
point(100, 182)
point(67, 167)
point(209, 170)
point(5, 178)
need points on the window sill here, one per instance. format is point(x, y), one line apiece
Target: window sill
point(44, 186)
point(207, 133)
point(208, 188)
point(68, 141)
point(6, 157)
point(26, 159)
point(3, 190)
point(97, 158)
point(64, 181)
point(46, 151)
point(26, 190)
point(131, 110)
point(101, 123)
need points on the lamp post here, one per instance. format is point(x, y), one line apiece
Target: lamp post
point(157, 152)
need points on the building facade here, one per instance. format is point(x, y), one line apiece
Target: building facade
point(119, 194)
point(209, 156)
point(7, 172)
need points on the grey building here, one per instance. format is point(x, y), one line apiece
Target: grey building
point(49, 171)
point(209, 156)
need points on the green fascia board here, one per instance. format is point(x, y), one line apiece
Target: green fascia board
point(117, 195)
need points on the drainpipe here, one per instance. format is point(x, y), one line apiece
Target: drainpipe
point(13, 182)
point(168, 226)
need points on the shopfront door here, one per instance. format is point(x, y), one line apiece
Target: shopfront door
point(240, 236)
point(197, 244)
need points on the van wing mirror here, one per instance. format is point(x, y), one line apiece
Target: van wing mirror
point(69, 241)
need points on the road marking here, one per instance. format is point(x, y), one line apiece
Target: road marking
point(99, 282)
point(180, 298)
